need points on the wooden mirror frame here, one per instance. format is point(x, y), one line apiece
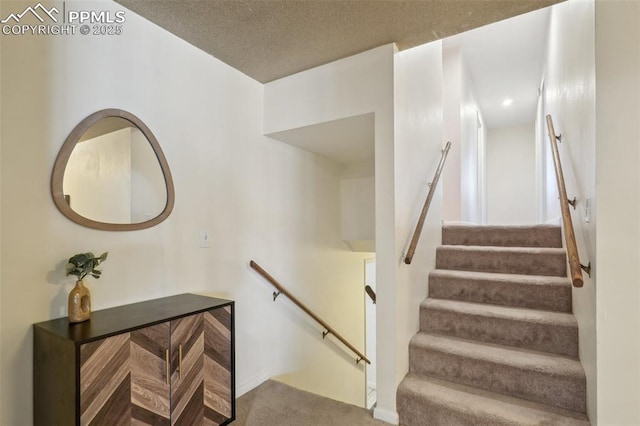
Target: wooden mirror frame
point(63, 158)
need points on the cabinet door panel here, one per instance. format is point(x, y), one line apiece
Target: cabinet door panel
point(105, 381)
point(149, 387)
point(187, 345)
point(123, 379)
point(202, 395)
point(217, 366)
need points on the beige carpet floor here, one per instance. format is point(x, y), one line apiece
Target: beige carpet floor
point(276, 404)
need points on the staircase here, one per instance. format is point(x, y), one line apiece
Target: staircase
point(498, 344)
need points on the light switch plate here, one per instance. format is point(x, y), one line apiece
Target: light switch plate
point(587, 210)
point(203, 239)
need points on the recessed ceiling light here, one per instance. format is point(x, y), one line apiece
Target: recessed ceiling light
point(507, 102)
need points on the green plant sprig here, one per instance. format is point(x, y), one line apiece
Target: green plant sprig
point(84, 264)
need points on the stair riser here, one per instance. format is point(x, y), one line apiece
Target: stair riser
point(553, 338)
point(497, 294)
point(524, 263)
point(414, 411)
point(543, 236)
point(429, 401)
point(506, 293)
point(564, 391)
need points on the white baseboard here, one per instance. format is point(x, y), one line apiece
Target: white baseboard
point(554, 221)
point(252, 383)
point(386, 416)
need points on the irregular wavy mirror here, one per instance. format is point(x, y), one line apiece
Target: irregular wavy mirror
point(111, 174)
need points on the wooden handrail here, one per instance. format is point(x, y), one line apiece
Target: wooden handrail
point(575, 267)
point(327, 327)
point(370, 293)
point(416, 233)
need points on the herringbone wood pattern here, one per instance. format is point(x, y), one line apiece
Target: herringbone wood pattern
point(202, 395)
point(123, 381)
point(105, 381)
point(149, 388)
point(217, 366)
point(123, 378)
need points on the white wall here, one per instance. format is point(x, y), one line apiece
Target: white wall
point(259, 199)
point(404, 163)
point(148, 187)
point(418, 144)
point(452, 172)
point(460, 177)
point(115, 178)
point(469, 110)
point(618, 223)
point(97, 177)
point(358, 210)
point(511, 176)
point(350, 87)
point(370, 326)
point(482, 170)
point(358, 205)
point(354, 86)
point(541, 152)
point(327, 277)
point(569, 77)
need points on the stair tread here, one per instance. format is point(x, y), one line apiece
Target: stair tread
point(505, 312)
point(542, 292)
point(500, 235)
point(504, 249)
point(512, 260)
point(544, 378)
point(503, 277)
point(486, 406)
point(515, 357)
point(498, 344)
point(467, 226)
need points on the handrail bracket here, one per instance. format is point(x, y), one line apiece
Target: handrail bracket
point(575, 267)
point(408, 257)
point(326, 328)
point(371, 293)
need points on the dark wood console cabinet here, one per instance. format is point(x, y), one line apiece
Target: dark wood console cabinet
point(167, 361)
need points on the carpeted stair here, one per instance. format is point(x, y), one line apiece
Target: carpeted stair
point(498, 344)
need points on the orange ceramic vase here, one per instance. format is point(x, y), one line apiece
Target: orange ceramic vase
point(79, 303)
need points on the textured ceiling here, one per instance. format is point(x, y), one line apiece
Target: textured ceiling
point(270, 39)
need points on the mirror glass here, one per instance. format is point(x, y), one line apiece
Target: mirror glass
point(111, 174)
